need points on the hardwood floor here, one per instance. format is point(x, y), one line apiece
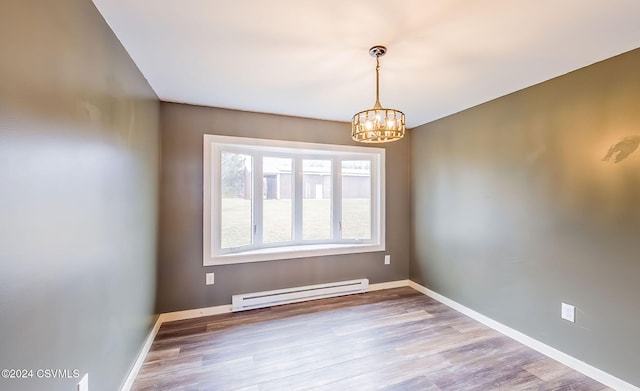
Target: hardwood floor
point(395, 339)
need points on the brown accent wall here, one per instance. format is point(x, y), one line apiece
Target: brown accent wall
point(533, 199)
point(78, 197)
point(181, 276)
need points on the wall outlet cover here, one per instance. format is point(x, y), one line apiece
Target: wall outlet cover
point(84, 383)
point(568, 312)
point(387, 259)
point(210, 279)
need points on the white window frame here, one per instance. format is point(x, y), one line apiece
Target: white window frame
point(297, 248)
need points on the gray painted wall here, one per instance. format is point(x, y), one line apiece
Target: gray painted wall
point(518, 206)
point(181, 276)
point(78, 196)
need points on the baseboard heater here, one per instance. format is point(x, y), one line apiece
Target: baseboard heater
point(250, 301)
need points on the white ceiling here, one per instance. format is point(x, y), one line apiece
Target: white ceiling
point(310, 58)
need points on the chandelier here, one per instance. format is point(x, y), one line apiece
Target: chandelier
point(379, 124)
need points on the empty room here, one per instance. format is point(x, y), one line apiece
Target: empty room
point(332, 195)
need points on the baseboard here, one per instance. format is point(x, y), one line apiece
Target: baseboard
point(162, 318)
point(195, 313)
point(388, 285)
point(570, 361)
point(128, 383)
point(226, 308)
point(207, 311)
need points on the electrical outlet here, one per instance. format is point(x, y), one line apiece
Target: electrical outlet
point(387, 259)
point(568, 312)
point(84, 383)
point(210, 278)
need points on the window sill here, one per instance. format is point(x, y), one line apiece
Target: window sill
point(290, 252)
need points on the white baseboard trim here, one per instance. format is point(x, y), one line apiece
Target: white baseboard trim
point(162, 318)
point(387, 285)
point(195, 313)
point(207, 311)
point(128, 383)
point(226, 308)
point(570, 361)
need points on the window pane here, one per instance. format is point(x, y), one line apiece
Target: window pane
point(236, 214)
point(316, 203)
point(277, 192)
point(356, 199)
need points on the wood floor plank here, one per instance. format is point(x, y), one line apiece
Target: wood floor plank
point(395, 339)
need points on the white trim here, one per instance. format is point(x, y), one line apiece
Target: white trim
point(388, 285)
point(208, 311)
point(162, 318)
point(292, 252)
point(285, 145)
point(195, 313)
point(133, 373)
point(570, 361)
point(226, 308)
point(256, 250)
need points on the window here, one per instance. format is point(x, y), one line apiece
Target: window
point(356, 199)
point(277, 204)
point(236, 200)
point(268, 199)
point(316, 199)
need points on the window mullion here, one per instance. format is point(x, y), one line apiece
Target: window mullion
point(377, 199)
point(257, 199)
point(337, 199)
point(373, 207)
point(215, 198)
point(297, 199)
